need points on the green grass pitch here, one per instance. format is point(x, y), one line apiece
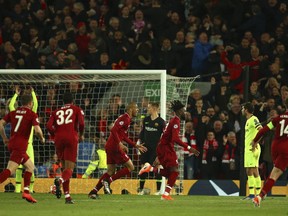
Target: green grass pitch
point(11, 204)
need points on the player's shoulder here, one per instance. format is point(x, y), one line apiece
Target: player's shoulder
point(252, 119)
point(175, 122)
point(160, 120)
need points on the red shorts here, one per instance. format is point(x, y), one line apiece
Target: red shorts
point(116, 157)
point(280, 160)
point(167, 156)
point(19, 157)
point(66, 149)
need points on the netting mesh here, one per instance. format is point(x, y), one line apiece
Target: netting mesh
point(101, 96)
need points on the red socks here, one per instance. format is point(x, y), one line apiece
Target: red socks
point(4, 175)
point(27, 178)
point(119, 174)
point(99, 184)
point(267, 187)
point(66, 186)
point(171, 181)
point(66, 175)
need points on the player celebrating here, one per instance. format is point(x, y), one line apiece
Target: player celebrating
point(166, 155)
point(115, 150)
point(22, 119)
point(153, 126)
point(251, 159)
point(30, 150)
point(64, 124)
point(279, 151)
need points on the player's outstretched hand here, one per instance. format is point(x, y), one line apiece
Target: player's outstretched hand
point(194, 151)
point(43, 140)
point(141, 148)
point(17, 89)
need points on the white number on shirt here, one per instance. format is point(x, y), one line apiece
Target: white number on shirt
point(19, 117)
point(61, 118)
point(283, 128)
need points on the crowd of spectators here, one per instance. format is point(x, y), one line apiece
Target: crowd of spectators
point(211, 38)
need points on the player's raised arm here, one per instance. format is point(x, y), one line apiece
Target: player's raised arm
point(14, 98)
point(35, 100)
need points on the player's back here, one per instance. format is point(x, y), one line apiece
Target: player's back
point(281, 131)
point(67, 121)
point(21, 121)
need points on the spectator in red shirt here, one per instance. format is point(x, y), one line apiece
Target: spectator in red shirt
point(235, 68)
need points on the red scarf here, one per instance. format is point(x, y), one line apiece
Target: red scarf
point(227, 155)
point(206, 145)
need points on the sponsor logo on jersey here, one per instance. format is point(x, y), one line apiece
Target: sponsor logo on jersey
point(150, 129)
point(121, 122)
point(175, 126)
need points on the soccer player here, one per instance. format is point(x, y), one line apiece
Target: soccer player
point(66, 124)
point(153, 126)
point(30, 150)
point(279, 151)
point(251, 159)
point(116, 151)
point(166, 155)
point(22, 119)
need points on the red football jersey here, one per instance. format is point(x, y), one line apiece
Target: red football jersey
point(22, 119)
point(118, 133)
point(171, 134)
point(66, 121)
point(281, 129)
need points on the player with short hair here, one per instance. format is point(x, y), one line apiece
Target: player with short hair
point(251, 159)
point(166, 155)
point(66, 124)
point(30, 150)
point(152, 129)
point(116, 151)
point(22, 119)
point(279, 151)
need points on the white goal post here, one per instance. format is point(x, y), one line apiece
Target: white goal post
point(100, 86)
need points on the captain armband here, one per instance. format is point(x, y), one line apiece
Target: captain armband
point(270, 125)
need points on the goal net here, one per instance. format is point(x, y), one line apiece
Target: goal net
point(102, 95)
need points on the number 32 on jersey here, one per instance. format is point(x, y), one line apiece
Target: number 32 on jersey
point(64, 117)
